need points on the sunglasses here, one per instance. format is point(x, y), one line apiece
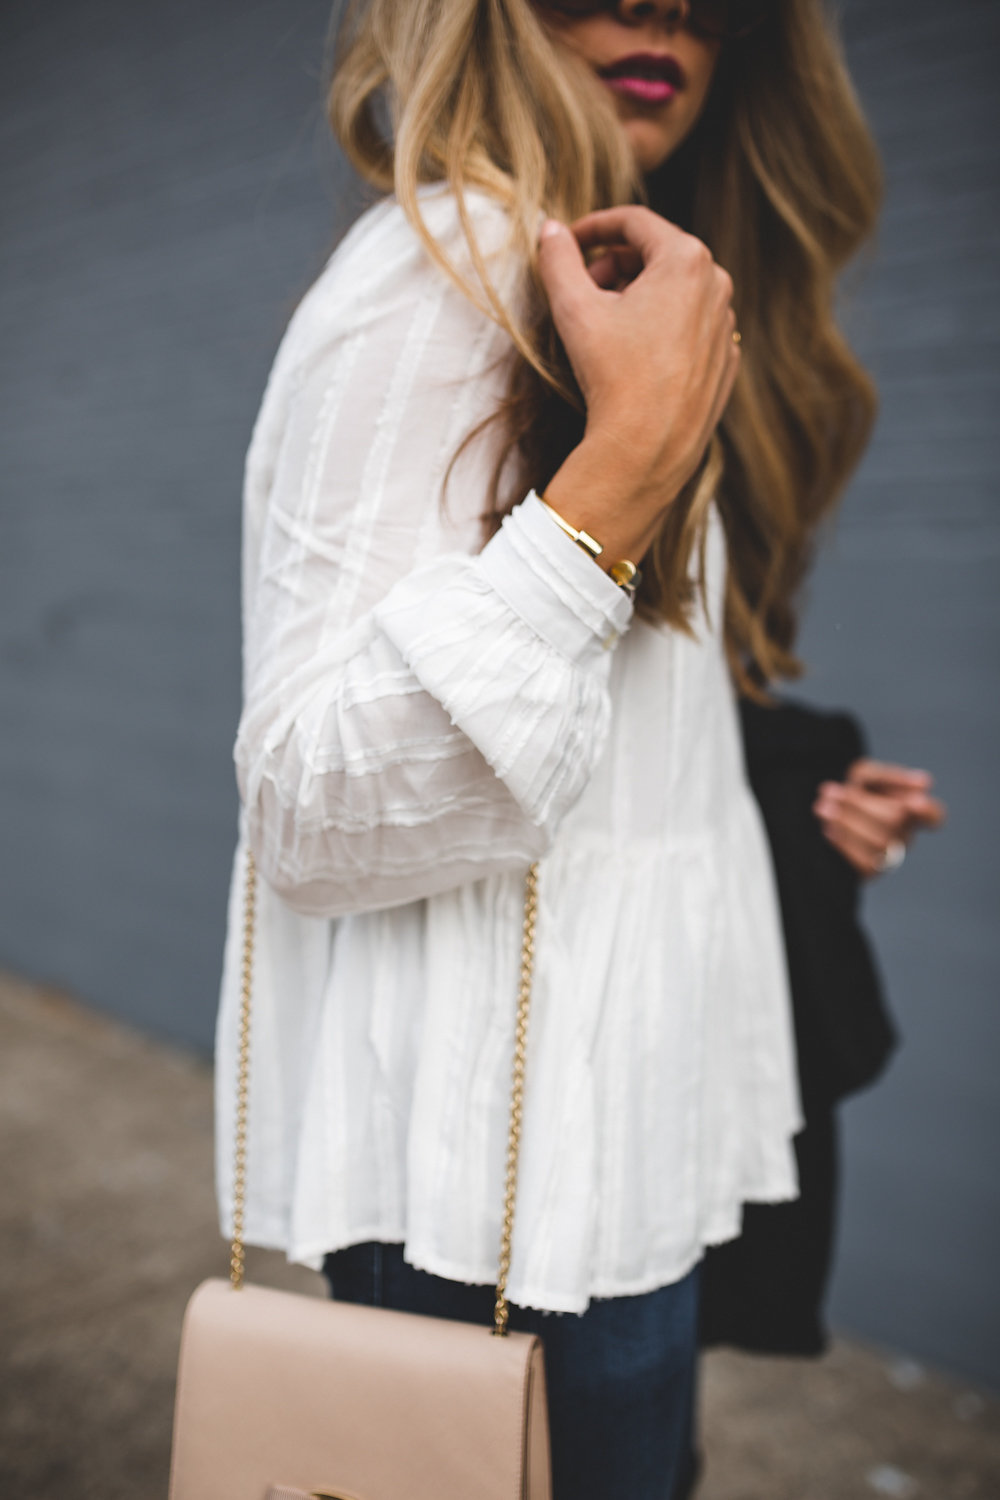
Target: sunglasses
point(721, 20)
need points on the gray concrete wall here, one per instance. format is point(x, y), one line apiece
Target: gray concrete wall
point(905, 626)
point(168, 192)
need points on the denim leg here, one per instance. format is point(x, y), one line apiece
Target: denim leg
point(621, 1406)
point(621, 1377)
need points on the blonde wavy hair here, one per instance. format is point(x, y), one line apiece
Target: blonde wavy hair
point(780, 178)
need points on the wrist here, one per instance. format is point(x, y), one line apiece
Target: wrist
point(624, 572)
point(603, 491)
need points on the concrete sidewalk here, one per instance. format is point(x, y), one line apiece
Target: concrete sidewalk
point(107, 1222)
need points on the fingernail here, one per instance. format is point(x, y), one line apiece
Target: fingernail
point(549, 228)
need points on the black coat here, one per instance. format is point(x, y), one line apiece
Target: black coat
point(765, 1290)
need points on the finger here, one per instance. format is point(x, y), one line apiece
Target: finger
point(925, 812)
point(920, 809)
point(614, 267)
point(646, 232)
point(869, 837)
point(723, 353)
point(727, 371)
point(603, 271)
point(888, 813)
point(878, 774)
point(853, 851)
point(902, 824)
point(564, 274)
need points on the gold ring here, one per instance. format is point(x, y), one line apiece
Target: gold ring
point(737, 336)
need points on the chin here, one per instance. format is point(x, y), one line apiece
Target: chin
point(648, 153)
point(650, 146)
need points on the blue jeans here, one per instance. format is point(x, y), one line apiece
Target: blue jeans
point(620, 1377)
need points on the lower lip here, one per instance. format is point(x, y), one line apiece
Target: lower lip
point(643, 90)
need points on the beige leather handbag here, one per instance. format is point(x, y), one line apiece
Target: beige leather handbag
point(284, 1397)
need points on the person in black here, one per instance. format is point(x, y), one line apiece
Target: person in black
point(830, 816)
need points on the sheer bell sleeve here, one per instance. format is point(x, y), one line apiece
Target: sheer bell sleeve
point(419, 711)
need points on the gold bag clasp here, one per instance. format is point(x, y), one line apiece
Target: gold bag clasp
point(292, 1492)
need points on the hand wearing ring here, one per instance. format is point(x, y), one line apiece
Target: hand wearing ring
point(872, 816)
point(627, 290)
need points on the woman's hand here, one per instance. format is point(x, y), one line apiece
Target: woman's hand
point(650, 337)
point(878, 806)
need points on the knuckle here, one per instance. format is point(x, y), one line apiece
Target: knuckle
point(695, 252)
point(645, 222)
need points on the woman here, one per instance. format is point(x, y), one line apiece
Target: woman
point(434, 700)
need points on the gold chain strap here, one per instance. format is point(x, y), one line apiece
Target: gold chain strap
point(237, 1257)
point(237, 1252)
point(500, 1309)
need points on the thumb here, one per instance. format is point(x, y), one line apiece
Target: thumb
point(567, 282)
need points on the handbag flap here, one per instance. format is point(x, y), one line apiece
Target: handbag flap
point(281, 1391)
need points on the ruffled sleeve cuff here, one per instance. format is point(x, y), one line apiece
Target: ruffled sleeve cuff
point(515, 644)
point(553, 585)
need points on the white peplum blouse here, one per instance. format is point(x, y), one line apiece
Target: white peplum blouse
point(423, 717)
